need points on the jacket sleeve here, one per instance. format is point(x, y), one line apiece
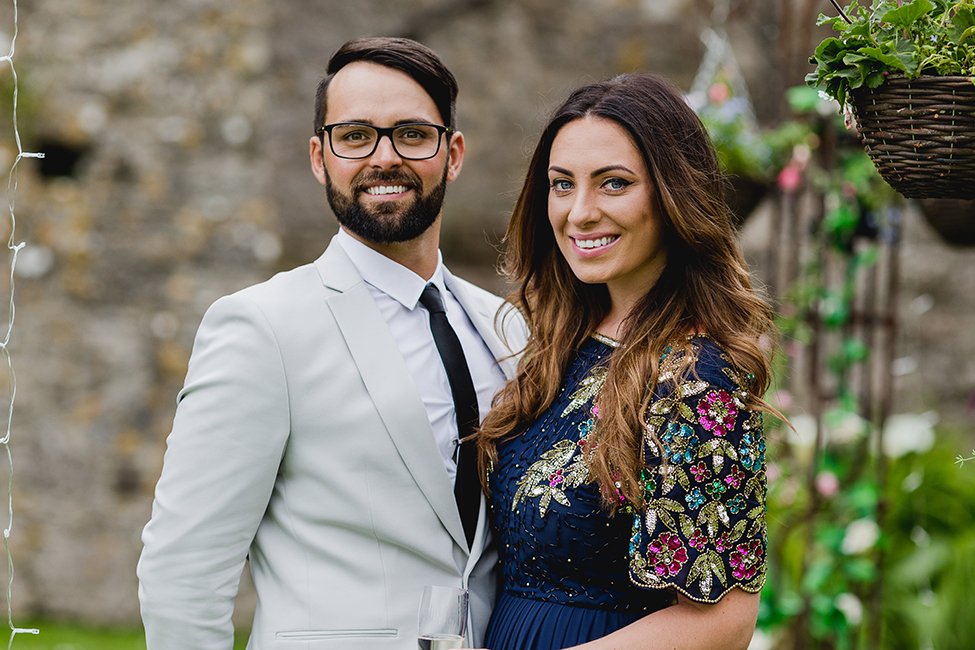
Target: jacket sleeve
point(222, 458)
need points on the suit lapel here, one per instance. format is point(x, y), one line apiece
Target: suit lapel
point(482, 315)
point(389, 383)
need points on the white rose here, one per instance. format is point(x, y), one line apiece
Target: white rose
point(860, 536)
point(805, 431)
point(909, 432)
point(844, 427)
point(851, 607)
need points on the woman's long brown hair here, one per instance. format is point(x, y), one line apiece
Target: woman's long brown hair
point(704, 288)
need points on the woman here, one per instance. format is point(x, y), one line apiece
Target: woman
point(625, 462)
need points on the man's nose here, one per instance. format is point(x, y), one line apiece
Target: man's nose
point(385, 155)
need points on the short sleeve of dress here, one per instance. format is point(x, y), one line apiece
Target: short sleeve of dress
point(702, 531)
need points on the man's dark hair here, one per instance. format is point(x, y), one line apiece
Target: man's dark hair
point(415, 59)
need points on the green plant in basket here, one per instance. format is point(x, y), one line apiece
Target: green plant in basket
point(894, 38)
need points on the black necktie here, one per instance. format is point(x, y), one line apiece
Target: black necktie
point(467, 489)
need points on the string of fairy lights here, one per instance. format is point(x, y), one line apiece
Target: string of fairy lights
point(4, 349)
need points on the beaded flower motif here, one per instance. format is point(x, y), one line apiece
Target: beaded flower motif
point(703, 528)
point(563, 467)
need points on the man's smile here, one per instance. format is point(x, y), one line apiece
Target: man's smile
point(379, 190)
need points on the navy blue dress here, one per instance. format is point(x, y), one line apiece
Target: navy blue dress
point(571, 573)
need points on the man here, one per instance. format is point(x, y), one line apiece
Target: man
point(316, 432)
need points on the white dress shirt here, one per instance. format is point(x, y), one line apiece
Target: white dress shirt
point(396, 290)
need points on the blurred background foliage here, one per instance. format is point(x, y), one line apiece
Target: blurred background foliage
point(871, 514)
point(177, 172)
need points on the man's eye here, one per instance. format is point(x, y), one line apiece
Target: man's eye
point(412, 134)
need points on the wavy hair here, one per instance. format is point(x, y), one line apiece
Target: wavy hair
point(704, 288)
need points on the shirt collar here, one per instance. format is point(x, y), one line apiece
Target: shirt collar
point(395, 280)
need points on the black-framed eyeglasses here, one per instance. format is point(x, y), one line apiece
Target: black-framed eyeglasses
point(417, 141)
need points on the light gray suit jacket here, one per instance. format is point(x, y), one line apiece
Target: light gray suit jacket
point(300, 440)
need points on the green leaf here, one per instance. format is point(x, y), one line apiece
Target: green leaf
point(861, 569)
point(717, 566)
point(698, 569)
point(836, 21)
point(830, 50)
point(863, 497)
point(899, 57)
point(868, 256)
point(669, 504)
point(738, 530)
point(875, 78)
point(817, 574)
point(857, 31)
point(905, 15)
point(682, 478)
point(841, 222)
point(855, 350)
point(962, 25)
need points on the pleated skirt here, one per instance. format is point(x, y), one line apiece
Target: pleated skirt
point(527, 624)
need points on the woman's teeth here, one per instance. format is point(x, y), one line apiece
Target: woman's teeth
point(594, 243)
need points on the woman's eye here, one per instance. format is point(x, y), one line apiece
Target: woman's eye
point(561, 185)
point(616, 184)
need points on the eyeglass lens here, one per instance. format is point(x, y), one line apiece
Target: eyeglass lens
point(416, 141)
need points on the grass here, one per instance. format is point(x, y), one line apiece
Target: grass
point(67, 636)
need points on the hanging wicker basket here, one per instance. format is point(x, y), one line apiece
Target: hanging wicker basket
point(953, 219)
point(920, 133)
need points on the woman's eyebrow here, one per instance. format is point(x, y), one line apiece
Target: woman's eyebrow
point(610, 168)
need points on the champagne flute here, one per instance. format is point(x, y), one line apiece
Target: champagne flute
point(442, 619)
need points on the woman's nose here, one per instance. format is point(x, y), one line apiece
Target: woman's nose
point(583, 210)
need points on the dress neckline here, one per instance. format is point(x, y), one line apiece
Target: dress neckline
point(602, 338)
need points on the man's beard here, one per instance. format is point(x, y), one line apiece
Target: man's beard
point(380, 224)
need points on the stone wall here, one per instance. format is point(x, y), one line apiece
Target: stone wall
point(177, 137)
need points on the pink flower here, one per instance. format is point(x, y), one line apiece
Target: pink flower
point(746, 559)
point(827, 484)
point(717, 412)
point(700, 472)
point(722, 543)
point(735, 477)
point(556, 478)
point(790, 178)
point(719, 93)
point(783, 400)
point(667, 555)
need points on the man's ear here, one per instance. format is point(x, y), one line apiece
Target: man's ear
point(316, 154)
point(455, 156)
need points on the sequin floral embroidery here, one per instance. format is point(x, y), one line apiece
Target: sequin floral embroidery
point(680, 443)
point(559, 469)
point(717, 412)
point(702, 530)
point(563, 467)
point(667, 555)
